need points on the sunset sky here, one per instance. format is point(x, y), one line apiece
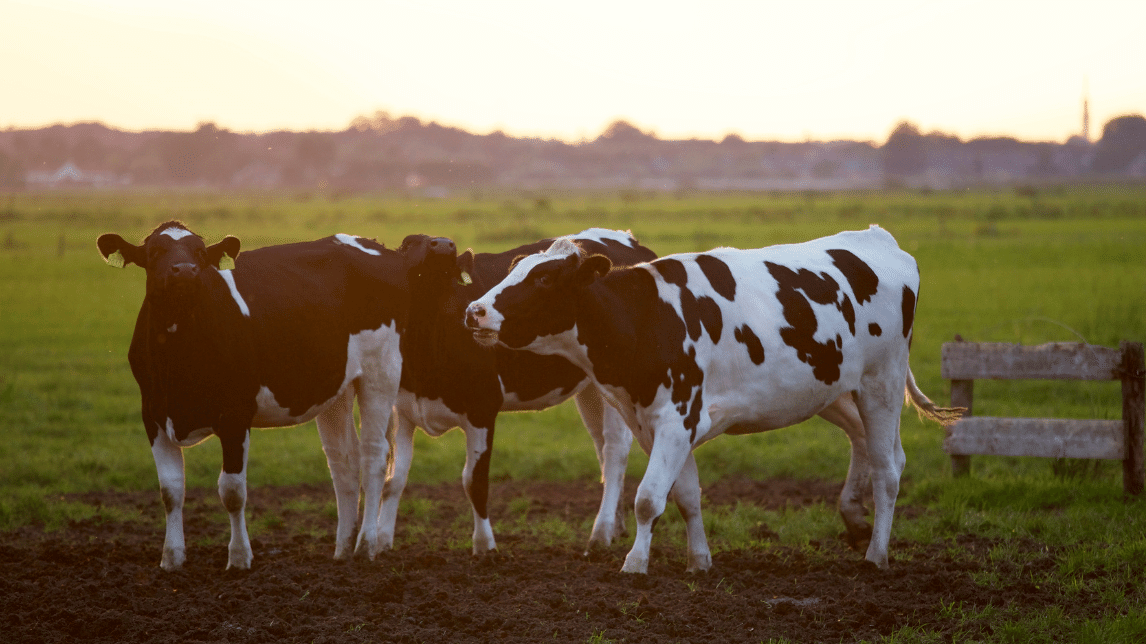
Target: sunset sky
point(765, 70)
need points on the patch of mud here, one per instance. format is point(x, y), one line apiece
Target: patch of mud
point(100, 581)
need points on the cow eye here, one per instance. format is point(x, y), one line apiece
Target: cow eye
point(545, 280)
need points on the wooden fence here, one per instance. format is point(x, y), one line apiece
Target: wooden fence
point(966, 362)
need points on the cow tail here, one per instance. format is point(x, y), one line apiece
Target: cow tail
point(945, 416)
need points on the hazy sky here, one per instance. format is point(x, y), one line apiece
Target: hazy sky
point(766, 70)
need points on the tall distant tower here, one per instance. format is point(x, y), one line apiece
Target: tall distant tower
point(1086, 113)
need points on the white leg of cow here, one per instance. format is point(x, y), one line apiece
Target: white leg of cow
point(879, 407)
point(375, 411)
point(233, 494)
point(169, 466)
point(340, 443)
point(403, 446)
point(686, 493)
point(844, 414)
point(612, 440)
point(475, 478)
point(667, 457)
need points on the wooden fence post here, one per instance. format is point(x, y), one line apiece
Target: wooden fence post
point(962, 395)
point(1133, 393)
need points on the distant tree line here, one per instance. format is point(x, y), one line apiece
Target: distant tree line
point(381, 152)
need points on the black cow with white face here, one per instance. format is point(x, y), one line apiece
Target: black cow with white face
point(449, 381)
point(290, 333)
point(692, 346)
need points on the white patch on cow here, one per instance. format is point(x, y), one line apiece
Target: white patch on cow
point(603, 234)
point(193, 438)
point(177, 233)
point(171, 329)
point(230, 280)
point(352, 241)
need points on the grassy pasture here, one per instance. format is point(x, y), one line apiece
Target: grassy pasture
point(1013, 266)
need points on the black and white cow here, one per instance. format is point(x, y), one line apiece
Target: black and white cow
point(449, 381)
point(691, 346)
point(293, 332)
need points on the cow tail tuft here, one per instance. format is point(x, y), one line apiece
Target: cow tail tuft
point(945, 416)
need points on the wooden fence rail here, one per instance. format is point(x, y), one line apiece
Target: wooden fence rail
point(966, 362)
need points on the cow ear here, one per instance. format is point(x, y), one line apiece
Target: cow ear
point(466, 267)
point(591, 268)
point(224, 253)
point(117, 252)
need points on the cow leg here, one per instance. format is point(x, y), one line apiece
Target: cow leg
point(686, 493)
point(844, 414)
point(475, 478)
point(233, 494)
point(670, 451)
point(612, 440)
point(169, 466)
point(340, 443)
point(402, 430)
point(375, 410)
point(879, 407)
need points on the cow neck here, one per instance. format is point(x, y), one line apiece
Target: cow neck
point(211, 309)
point(609, 322)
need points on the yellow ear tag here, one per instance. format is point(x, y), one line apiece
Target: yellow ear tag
point(465, 279)
point(226, 263)
point(115, 260)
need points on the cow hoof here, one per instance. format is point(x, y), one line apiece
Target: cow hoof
point(700, 563)
point(172, 560)
point(634, 566)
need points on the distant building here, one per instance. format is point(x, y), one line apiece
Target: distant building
point(69, 175)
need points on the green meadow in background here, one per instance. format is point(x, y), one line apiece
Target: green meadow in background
point(1027, 266)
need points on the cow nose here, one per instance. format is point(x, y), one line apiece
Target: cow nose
point(184, 270)
point(442, 245)
point(474, 314)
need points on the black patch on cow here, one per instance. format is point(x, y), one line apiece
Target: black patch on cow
point(849, 313)
point(711, 317)
point(908, 310)
point(718, 275)
point(747, 337)
point(825, 358)
point(690, 309)
point(673, 271)
point(873, 329)
point(859, 275)
point(479, 483)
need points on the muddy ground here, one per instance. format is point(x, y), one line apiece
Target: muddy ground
point(100, 581)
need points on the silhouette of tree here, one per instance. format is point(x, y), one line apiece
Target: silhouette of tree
point(905, 152)
point(1123, 139)
point(621, 131)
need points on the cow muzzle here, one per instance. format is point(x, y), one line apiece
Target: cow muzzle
point(477, 319)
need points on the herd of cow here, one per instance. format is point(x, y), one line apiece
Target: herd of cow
point(673, 351)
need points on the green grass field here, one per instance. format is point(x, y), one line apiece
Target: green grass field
point(1014, 266)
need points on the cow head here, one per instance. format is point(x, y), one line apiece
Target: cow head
point(432, 264)
point(537, 298)
point(174, 257)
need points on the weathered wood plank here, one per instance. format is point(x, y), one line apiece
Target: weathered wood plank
point(1052, 361)
point(1133, 410)
point(1045, 437)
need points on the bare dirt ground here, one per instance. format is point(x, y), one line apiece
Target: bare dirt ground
point(100, 581)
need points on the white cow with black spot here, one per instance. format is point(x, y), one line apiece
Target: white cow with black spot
point(691, 346)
